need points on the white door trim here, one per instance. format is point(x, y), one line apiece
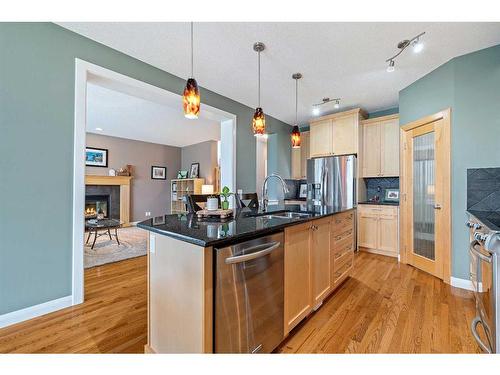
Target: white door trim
point(84, 70)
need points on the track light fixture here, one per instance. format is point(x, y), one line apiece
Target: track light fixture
point(316, 107)
point(415, 42)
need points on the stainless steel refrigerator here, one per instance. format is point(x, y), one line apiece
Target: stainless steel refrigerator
point(331, 181)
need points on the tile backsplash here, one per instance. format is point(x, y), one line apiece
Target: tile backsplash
point(483, 189)
point(293, 188)
point(373, 185)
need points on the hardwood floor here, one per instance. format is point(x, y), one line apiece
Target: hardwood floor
point(384, 308)
point(113, 318)
point(388, 307)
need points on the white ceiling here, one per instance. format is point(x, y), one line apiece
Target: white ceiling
point(345, 60)
point(125, 116)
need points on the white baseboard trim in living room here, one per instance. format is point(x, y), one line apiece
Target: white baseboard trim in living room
point(463, 284)
point(35, 311)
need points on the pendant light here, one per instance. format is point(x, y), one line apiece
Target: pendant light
point(191, 96)
point(295, 131)
point(259, 119)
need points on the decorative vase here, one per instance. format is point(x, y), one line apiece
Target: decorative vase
point(225, 204)
point(212, 204)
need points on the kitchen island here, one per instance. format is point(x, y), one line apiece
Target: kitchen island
point(190, 288)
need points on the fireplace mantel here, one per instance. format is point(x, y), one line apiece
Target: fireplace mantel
point(124, 183)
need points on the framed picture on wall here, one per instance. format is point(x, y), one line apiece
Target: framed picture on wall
point(195, 170)
point(96, 157)
point(392, 195)
point(158, 173)
point(303, 191)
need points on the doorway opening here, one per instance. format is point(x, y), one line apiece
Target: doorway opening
point(92, 80)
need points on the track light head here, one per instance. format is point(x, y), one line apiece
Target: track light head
point(418, 46)
point(390, 68)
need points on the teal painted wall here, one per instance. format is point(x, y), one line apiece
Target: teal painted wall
point(470, 85)
point(36, 152)
point(384, 112)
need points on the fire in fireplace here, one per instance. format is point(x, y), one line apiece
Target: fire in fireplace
point(95, 204)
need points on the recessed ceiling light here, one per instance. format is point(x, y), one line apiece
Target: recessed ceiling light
point(99, 129)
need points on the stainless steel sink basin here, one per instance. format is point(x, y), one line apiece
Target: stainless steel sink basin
point(282, 215)
point(291, 215)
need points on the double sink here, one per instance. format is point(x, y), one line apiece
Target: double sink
point(286, 215)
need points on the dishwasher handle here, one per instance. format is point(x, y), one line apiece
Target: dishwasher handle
point(477, 320)
point(254, 252)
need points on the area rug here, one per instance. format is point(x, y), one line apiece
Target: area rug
point(133, 243)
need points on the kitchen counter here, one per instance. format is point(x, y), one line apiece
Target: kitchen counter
point(380, 203)
point(245, 224)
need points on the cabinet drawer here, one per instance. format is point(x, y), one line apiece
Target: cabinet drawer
point(343, 220)
point(343, 247)
point(377, 210)
point(342, 267)
point(369, 209)
point(338, 237)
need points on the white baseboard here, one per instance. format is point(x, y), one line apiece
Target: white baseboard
point(34, 311)
point(463, 284)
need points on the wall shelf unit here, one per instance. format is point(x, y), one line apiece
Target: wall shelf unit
point(180, 188)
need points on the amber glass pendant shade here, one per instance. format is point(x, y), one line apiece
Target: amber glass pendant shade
point(295, 137)
point(259, 122)
point(191, 99)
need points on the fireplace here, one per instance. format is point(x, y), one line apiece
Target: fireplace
point(95, 204)
point(102, 197)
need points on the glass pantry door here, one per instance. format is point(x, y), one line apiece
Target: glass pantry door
point(426, 197)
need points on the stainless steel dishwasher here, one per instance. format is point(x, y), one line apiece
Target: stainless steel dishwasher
point(249, 296)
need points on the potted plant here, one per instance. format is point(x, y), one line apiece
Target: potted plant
point(225, 193)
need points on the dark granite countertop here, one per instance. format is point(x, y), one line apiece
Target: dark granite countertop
point(245, 224)
point(491, 219)
point(380, 203)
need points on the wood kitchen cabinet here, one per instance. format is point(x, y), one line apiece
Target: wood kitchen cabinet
point(300, 156)
point(378, 229)
point(342, 247)
point(336, 134)
point(321, 265)
point(298, 290)
point(380, 156)
point(318, 258)
point(321, 138)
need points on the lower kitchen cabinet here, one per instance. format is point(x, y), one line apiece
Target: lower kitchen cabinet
point(342, 247)
point(321, 265)
point(298, 290)
point(318, 258)
point(378, 229)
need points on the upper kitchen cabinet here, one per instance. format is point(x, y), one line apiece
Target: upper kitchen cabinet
point(300, 156)
point(380, 156)
point(336, 134)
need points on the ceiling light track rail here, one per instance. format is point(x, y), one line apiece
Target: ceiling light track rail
point(405, 44)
